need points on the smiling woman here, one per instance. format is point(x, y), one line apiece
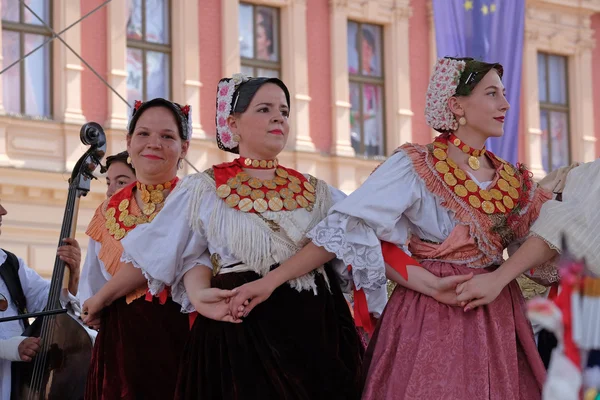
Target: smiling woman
point(225, 231)
point(157, 140)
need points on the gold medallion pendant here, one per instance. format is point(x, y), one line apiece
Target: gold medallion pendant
point(474, 163)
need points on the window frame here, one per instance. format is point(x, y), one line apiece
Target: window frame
point(550, 107)
point(361, 80)
point(23, 29)
point(145, 46)
point(254, 62)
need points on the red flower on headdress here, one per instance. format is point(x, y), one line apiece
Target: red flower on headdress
point(224, 90)
point(185, 109)
point(137, 105)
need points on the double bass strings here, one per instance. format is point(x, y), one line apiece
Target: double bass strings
point(47, 331)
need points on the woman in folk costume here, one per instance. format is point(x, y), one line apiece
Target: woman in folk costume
point(458, 206)
point(575, 218)
point(141, 337)
point(247, 217)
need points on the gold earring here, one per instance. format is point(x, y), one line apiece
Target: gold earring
point(462, 121)
point(236, 138)
point(129, 160)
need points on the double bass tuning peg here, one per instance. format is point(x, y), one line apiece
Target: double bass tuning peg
point(93, 135)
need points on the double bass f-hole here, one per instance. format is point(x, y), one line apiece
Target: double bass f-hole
point(59, 371)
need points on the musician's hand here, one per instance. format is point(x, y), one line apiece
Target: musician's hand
point(92, 310)
point(70, 253)
point(28, 348)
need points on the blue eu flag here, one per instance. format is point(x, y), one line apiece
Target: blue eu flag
point(492, 31)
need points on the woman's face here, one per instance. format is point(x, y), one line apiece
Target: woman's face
point(263, 128)
point(367, 54)
point(485, 108)
point(118, 176)
point(155, 146)
point(262, 43)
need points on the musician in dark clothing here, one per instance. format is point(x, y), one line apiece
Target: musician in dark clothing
point(14, 273)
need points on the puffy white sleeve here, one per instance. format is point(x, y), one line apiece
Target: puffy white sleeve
point(35, 288)
point(93, 274)
point(168, 247)
point(378, 210)
point(341, 269)
point(9, 348)
point(576, 216)
point(376, 299)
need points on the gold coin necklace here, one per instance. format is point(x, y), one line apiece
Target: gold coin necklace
point(119, 220)
point(287, 191)
point(501, 198)
point(473, 161)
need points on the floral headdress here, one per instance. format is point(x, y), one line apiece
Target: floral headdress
point(184, 111)
point(442, 86)
point(225, 105)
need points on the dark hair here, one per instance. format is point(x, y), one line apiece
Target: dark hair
point(242, 97)
point(119, 157)
point(474, 72)
point(267, 23)
point(176, 109)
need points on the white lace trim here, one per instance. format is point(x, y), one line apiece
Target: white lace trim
point(368, 267)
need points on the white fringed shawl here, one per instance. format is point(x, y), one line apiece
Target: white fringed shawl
point(258, 240)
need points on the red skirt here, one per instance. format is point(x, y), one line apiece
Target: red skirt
point(423, 349)
point(296, 345)
point(137, 351)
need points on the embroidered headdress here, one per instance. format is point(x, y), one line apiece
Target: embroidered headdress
point(225, 104)
point(183, 115)
point(233, 96)
point(452, 77)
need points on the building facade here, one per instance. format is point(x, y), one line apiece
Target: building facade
point(367, 62)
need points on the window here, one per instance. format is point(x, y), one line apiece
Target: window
point(554, 110)
point(365, 70)
point(148, 50)
point(26, 86)
point(259, 41)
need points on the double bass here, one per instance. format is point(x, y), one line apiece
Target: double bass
point(59, 370)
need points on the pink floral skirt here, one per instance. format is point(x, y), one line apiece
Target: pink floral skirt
point(423, 349)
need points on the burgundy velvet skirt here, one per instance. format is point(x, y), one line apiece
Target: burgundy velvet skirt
point(295, 345)
point(137, 351)
point(423, 349)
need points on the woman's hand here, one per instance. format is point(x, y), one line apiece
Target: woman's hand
point(213, 303)
point(479, 291)
point(250, 295)
point(445, 288)
point(92, 311)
